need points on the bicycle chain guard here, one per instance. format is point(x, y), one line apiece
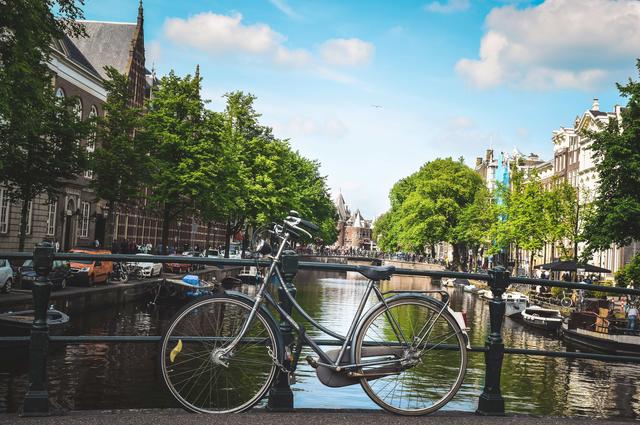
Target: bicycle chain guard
point(331, 378)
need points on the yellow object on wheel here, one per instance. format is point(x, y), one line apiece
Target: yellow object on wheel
point(176, 350)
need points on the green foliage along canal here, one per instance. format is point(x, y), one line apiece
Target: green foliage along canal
point(109, 376)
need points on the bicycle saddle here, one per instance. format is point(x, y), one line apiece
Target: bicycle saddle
point(376, 272)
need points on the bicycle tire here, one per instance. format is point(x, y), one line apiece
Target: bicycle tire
point(199, 329)
point(444, 367)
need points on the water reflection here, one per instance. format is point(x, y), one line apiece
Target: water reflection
point(105, 376)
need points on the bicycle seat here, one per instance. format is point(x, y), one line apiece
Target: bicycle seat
point(376, 272)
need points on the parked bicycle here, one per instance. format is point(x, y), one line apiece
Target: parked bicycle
point(408, 352)
point(120, 273)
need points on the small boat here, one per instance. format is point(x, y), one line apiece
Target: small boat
point(186, 288)
point(461, 282)
point(515, 303)
point(447, 282)
point(485, 294)
point(18, 323)
point(470, 288)
point(542, 318)
point(594, 328)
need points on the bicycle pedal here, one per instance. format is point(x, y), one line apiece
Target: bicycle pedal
point(312, 362)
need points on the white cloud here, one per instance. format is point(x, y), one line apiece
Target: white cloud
point(227, 35)
point(448, 6)
point(556, 44)
point(346, 51)
point(283, 7)
point(220, 34)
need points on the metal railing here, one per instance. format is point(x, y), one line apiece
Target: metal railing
point(491, 402)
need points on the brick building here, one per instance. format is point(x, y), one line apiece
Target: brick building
point(76, 217)
point(354, 231)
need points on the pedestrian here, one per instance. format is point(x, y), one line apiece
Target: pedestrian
point(96, 244)
point(632, 317)
point(57, 245)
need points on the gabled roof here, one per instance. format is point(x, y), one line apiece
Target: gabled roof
point(343, 209)
point(105, 45)
point(75, 55)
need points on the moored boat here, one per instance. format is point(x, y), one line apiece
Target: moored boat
point(18, 323)
point(470, 288)
point(515, 303)
point(485, 294)
point(596, 329)
point(542, 318)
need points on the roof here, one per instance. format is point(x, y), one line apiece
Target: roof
point(105, 45)
point(343, 209)
point(597, 113)
point(75, 55)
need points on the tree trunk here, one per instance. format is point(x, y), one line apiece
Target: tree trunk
point(165, 229)
point(531, 264)
point(23, 223)
point(208, 238)
point(456, 257)
point(109, 225)
point(227, 239)
point(433, 251)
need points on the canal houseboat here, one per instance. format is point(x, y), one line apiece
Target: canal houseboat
point(542, 318)
point(595, 328)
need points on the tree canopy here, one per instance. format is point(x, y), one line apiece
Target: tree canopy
point(616, 152)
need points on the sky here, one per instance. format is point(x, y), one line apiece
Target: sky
point(375, 89)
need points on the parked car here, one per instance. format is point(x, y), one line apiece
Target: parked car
point(6, 275)
point(89, 272)
point(194, 254)
point(147, 269)
point(58, 276)
point(213, 253)
point(177, 267)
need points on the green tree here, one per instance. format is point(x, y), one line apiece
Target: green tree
point(426, 208)
point(184, 161)
point(616, 152)
point(40, 135)
point(120, 159)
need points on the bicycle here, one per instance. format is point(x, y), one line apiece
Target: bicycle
point(221, 354)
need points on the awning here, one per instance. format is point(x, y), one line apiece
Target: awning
point(571, 266)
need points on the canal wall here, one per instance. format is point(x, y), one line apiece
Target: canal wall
point(74, 299)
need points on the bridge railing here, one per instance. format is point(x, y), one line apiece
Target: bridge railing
point(491, 402)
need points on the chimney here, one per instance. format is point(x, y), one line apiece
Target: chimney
point(596, 104)
point(478, 161)
point(489, 155)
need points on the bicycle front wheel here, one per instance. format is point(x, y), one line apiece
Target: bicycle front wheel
point(191, 366)
point(433, 372)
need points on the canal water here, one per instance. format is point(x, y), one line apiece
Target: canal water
point(124, 376)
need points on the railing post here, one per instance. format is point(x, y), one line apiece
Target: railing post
point(491, 401)
point(36, 401)
point(280, 395)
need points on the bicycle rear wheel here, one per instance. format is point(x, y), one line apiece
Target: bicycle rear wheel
point(432, 377)
point(197, 378)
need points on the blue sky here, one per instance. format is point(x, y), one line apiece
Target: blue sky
point(375, 89)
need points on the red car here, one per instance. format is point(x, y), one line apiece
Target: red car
point(177, 267)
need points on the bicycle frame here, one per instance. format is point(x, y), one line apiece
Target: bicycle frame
point(263, 294)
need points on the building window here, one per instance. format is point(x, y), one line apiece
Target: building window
point(4, 211)
point(91, 141)
point(77, 109)
point(27, 230)
point(84, 224)
point(51, 218)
